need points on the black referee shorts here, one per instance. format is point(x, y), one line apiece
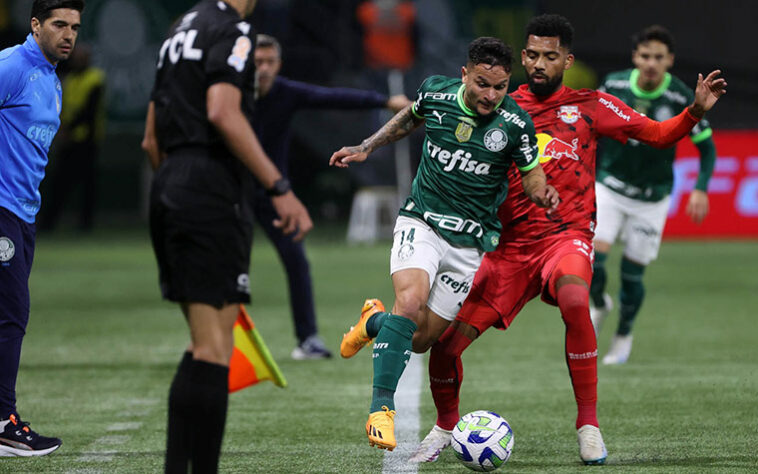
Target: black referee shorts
point(201, 229)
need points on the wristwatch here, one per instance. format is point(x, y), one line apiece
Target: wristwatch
point(281, 186)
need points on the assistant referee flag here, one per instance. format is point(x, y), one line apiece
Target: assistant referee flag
point(251, 360)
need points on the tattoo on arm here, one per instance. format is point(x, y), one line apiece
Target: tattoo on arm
point(399, 126)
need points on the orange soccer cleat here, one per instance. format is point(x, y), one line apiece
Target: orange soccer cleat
point(380, 429)
point(357, 337)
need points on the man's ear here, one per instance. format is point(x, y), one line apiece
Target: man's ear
point(36, 26)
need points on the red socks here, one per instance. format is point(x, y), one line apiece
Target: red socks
point(446, 375)
point(581, 350)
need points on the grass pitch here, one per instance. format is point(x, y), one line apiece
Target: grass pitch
point(101, 348)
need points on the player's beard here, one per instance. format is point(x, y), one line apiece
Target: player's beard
point(546, 88)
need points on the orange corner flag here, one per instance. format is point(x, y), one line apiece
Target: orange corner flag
point(251, 361)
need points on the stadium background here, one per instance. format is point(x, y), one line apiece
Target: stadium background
point(101, 346)
point(323, 43)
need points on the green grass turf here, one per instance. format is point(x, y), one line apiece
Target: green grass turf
point(101, 348)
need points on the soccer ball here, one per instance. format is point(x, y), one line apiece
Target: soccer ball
point(482, 440)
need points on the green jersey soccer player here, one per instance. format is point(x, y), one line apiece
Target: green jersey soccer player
point(634, 182)
point(474, 132)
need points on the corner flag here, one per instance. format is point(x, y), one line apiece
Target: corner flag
point(251, 361)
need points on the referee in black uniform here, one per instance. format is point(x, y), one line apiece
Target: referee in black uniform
point(200, 143)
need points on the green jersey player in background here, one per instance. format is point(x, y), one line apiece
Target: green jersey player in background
point(473, 134)
point(634, 182)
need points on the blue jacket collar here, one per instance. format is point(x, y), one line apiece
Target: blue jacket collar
point(35, 53)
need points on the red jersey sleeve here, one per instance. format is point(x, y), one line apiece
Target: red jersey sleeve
point(617, 120)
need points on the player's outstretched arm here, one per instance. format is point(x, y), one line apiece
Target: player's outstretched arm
point(537, 189)
point(707, 92)
point(399, 126)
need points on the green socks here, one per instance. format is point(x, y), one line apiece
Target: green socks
point(392, 350)
point(599, 277)
point(375, 323)
point(631, 295)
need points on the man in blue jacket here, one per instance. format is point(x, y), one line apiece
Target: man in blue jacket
point(30, 105)
point(273, 103)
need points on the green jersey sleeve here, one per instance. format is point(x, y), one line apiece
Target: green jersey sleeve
point(427, 92)
point(526, 156)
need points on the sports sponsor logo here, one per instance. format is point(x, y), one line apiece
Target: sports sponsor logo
point(569, 113)
point(381, 345)
point(7, 249)
point(181, 45)
point(457, 286)
point(511, 117)
point(439, 115)
point(454, 223)
point(614, 108)
point(437, 96)
point(495, 139)
point(554, 148)
point(458, 158)
point(42, 134)
point(583, 355)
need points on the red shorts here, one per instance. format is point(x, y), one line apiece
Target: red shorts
point(517, 272)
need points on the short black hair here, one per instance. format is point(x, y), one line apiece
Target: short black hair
point(268, 41)
point(552, 25)
point(492, 51)
point(41, 9)
point(654, 33)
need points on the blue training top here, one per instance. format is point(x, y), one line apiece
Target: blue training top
point(30, 105)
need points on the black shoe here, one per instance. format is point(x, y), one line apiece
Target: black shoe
point(17, 439)
point(311, 348)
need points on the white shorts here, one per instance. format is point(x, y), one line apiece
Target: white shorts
point(638, 223)
point(451, 269)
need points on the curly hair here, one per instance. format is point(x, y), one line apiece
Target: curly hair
point(552, 25)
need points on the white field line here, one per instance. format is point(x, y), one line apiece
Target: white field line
point(407, 418)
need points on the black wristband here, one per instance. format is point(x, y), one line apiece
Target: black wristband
point(281, 186)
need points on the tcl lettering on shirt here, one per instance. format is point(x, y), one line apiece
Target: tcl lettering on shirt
point(614, 108)
point(179, 46)
point(458, 158)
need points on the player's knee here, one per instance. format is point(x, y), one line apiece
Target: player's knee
point(452, 343)
point(572, 296)
point(410, 305)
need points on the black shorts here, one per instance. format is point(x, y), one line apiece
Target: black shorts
point(201, 228)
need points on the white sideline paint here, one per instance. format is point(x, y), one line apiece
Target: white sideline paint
point(125, 426)
point(104, 448)
point(407, 418)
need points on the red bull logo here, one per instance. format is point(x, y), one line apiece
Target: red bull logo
point(569, 113)
point(555, 148)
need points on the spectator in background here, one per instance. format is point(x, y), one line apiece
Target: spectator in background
point(271, 108)
point(82, 131)
point(388, 33)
